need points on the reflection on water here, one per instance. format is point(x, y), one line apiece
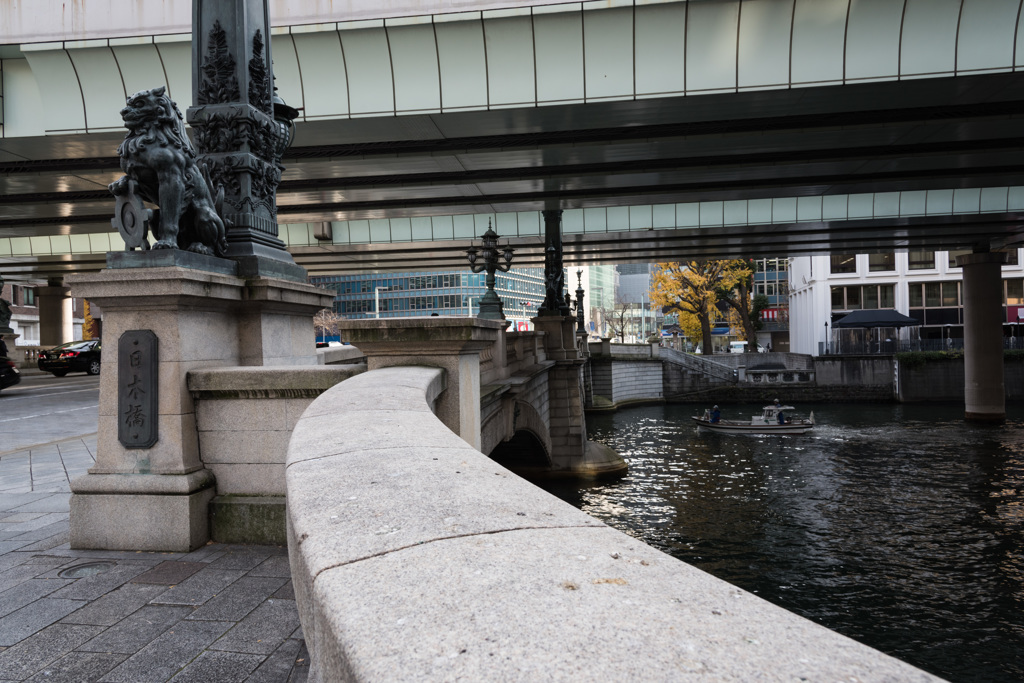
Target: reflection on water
point(899, 526)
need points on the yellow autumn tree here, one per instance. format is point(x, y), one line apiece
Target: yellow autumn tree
point(692, 289)
point(690, 325)
point(89, 326)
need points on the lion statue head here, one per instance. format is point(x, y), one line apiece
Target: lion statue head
point(153, 116)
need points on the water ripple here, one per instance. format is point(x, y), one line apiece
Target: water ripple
point(899, 526)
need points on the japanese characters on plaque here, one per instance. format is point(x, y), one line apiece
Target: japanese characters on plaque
point(137, 372)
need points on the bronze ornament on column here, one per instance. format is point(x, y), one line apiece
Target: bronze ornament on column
point(578, 303)
point(554, 270)
point(242, 128)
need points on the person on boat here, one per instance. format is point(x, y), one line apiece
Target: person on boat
point(782, 418)
point(716, 415)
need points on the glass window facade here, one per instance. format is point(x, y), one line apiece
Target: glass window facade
point(28, 296)
point(879, 263)
point(771, 279)
point(857, 297)
point(843, 263)
point(920, 260)
point(1014, 292)
point(951, 255)
point(935, 304)
point(416, 294)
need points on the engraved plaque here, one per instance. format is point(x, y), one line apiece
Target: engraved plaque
point(137, 371)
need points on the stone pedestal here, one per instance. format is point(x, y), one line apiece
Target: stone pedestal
point(559, 336)
point(436, 341)
point(156, 498)
point(984, 392)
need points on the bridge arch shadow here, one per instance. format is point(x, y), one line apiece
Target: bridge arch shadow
point(523, 453)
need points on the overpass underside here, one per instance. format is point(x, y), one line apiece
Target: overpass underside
point(664, 131)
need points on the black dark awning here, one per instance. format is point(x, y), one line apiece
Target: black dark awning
point(876, 318)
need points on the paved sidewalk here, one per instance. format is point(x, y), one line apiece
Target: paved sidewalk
point(221, 613)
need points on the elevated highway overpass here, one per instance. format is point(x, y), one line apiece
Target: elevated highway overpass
point(664, 130)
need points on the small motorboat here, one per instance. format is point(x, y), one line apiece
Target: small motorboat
point(765, 423)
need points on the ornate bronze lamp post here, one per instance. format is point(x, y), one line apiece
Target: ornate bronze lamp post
point(491, 306)
point(578, 304)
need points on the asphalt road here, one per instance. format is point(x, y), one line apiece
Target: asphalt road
point(43, 409)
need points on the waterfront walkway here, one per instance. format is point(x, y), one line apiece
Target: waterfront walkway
point(221, 613)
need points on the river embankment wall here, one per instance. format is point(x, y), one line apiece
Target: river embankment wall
point(627, 374)
point(626, 380)
point(942, 379)
point(631, 374)
point(417, 558)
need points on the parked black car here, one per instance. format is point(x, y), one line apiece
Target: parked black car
point(9, 375)
point(79, 356)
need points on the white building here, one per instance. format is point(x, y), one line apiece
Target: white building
point(924, 285)
point(635, 290)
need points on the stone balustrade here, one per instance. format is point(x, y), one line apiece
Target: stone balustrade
point(417, 558)
point(779, 376)
point(523, 350)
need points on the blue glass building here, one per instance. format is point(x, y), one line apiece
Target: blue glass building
point(401, 295)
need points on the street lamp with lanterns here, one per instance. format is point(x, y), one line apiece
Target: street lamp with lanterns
point(489, 259)
point(578, 304)
point(284, 118)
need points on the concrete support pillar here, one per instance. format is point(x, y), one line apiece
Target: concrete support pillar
point(55, 325)
point(984, 393)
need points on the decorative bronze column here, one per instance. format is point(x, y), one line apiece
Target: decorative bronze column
point(554, 271)
point(578, 304)
point(241, 128)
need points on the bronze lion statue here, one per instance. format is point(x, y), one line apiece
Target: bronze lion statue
point(159, 163)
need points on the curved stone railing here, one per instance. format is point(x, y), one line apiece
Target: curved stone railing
point(416, 558)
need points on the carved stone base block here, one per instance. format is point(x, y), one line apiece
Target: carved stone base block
point(141, 512)
point(200, 320)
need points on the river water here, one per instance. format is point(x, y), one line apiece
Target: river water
point(897, 525)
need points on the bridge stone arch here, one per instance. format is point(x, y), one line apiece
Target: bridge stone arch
point(523, 453)
point(526, 434)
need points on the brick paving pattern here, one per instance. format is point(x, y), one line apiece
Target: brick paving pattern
point(222, 613)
